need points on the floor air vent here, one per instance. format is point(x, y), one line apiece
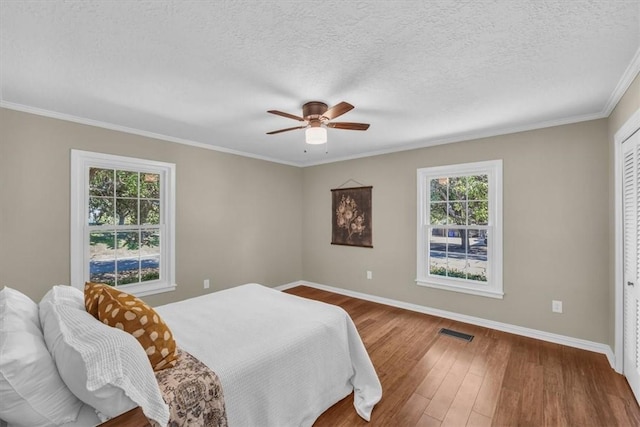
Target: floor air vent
point(456, 334)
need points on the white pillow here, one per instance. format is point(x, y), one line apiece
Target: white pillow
point(31, 391)
point(21, 305)
point(65, 295)
point(103, 366)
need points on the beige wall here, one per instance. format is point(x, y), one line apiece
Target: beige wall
point(555, 228)
point(237, 219)
point(626, 107)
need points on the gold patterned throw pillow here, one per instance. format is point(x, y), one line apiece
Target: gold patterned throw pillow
point(124, 311)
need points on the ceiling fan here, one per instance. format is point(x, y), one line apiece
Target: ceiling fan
point(318, 118)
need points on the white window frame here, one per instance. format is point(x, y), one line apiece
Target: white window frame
point(81, 162)
point(493, 288)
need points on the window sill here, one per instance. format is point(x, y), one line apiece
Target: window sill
point(140, 290)
point(490, 293)
point(146, 289)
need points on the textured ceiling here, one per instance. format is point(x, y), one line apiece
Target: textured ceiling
point(421, 72)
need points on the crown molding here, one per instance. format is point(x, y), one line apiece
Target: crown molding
point(125, 129)
point(625, 81)
point(470, 136)
point(627, 78)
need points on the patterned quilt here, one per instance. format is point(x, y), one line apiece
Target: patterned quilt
point(193, 393)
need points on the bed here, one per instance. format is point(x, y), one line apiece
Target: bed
point(280, 360)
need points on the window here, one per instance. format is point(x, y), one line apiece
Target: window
point(122, 222)
point(460, 228)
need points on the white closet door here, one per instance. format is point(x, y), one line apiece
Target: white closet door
point(631, 202)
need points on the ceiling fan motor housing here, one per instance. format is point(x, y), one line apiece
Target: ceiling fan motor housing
point(314, 110)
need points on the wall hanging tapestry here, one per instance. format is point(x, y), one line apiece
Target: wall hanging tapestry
point(351, 217)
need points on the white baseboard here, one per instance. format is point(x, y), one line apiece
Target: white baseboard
point(504, 327)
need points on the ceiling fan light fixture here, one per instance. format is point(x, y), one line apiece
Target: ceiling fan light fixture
point(315, 135)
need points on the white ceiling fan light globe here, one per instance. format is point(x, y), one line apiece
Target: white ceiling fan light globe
point(315, 135)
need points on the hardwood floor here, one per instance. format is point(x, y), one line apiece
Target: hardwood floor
point(498, 379)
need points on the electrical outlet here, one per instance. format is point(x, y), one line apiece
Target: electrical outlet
point(206, 283)
point(556, 306)
point(369, 274)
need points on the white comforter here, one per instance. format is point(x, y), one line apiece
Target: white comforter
point(282, 360)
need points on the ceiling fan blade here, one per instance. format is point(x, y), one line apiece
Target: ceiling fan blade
point(285, 130)
point(287, 115)
point(337, 110)
point(348, 126)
